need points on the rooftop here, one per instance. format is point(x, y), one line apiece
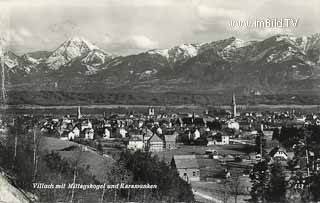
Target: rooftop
point(186, 161)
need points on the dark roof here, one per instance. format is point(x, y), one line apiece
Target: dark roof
point(188, 120)
point(185, 161)
point(169, 131)
point(198, 121)
point(147, 132)
point(275, 150)
point(155, 138)
point(135, 139)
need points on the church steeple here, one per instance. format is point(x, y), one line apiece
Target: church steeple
point(234, 105)
point(79, 113)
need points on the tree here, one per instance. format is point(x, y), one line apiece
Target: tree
point(146, 168)
point(276, 134)
point(314, 187)
point(277, 185)
point(224, 190)
point(235, 188)
point(260, 181)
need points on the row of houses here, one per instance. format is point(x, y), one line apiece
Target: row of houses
point(152, 143)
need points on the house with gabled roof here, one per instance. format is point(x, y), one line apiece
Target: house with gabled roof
point(187, 167)
point(155, 144)
point(136, 143)
point(170, 141)
point(280, 153)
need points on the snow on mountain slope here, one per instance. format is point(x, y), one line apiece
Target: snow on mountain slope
point(177, 53)
point(311, 46)
point(71, 49)
point(162, 52)
point(228, 53)
point(11, 60)
point(96, 57)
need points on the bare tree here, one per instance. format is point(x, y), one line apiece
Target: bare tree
point(231, 188)
point(76, 165)
point(235, 187)
point(223, 191)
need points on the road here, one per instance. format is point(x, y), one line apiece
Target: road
point(205, 196)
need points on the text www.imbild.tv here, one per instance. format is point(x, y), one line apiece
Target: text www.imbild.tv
point(265, 23)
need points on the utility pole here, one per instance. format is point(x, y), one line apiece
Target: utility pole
point(34, 153)
point(261, 147)
point(307, 159)
point(15, 149)
point(74, 182)
point(4, 40)
point(3, 89)
point(15, 142)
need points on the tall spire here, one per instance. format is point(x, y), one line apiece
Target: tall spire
point(234, 105)
point(79, 113)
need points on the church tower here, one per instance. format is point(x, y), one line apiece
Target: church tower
point(151, 111)
point(234, 106)
point(79, 113)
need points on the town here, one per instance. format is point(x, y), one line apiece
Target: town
point(220, 153)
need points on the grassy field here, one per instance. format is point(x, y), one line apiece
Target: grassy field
point(218, 191)
point(89, 160)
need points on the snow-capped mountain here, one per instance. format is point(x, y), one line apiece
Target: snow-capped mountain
point(178, 53)
point(96, 57)
point(11, 60)
point(270, 66)
point(77, 47)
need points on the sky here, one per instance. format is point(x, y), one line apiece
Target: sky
point(131, 26)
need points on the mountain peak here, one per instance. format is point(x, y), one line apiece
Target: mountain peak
point(72, 48)
point(77, 40)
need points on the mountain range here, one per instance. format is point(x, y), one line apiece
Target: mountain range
point(281, 64)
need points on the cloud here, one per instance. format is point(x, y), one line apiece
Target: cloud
point(142, 42)
point(131, 26)
point(18, 36)
point(212, 12)
point(24, 32)
point(132, 3)
point(107, 39)
point(267, 32)
point(15, 37)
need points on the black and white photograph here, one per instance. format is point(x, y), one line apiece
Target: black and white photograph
point(160, 101)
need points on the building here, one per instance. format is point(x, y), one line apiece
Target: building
point(79, 113)
point(135, 143)
point(219, 139)
point(106, 133)
point(225, 139)
point(234, 106)
point(88, 134)
point(71, 135)
point(280, 153)
point(86, 124)
point(170, 141)
point(187, 167)
point(196, 134)
point(159, 131)
point(151, 111)
point(231, 124)
point(122, 132)
point(76, 131)
point(155, 144)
